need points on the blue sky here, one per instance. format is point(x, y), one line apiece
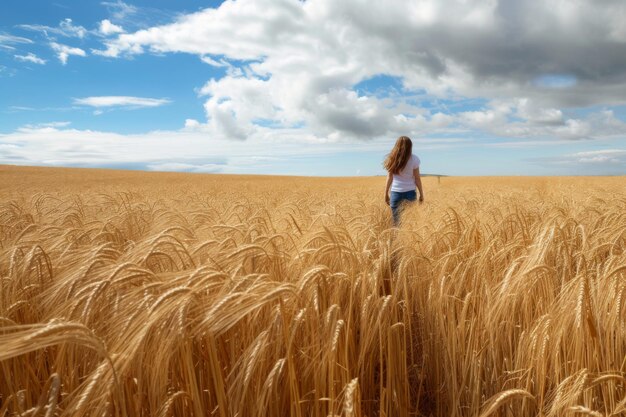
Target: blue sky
point(314, 88)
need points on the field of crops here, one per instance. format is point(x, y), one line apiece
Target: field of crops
point(155, 294)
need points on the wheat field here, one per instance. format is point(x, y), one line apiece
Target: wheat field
point(156, 294)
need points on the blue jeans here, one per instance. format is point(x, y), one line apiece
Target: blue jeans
point(395, 201)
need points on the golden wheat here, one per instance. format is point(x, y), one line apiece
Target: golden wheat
point(162, 294)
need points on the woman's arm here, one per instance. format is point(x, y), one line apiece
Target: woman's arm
point(388, 186)
point(418, 183)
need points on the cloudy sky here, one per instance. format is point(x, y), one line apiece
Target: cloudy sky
point(316, 87)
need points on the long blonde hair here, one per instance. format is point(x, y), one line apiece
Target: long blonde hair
point(399, 155)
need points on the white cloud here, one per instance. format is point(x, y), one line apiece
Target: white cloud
point(39, 126)
point(596, 162)
point(192, 124)
point(119, 10)
point(30, 57)
point(574, 129)
point(107, 28)
point(65, 28)
point(185, 167)
point(99, 52)
point(121, 101)
point(295, 63)
point(525, 118)
point(196, 149)
point(530, 111)
point(610, 156)
point(7, 40)
point(186, 150)
point(63, 51)
point(208, 60)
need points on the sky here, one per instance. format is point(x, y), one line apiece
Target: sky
point(315, 87)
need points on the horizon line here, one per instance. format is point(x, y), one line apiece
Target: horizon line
point(298, 175)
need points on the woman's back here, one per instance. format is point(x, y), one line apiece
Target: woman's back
point(401, 186)
point(405, 180)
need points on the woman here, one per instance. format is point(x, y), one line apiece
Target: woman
point(403, 175)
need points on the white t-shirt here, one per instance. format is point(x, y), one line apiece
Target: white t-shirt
point(405, 181)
